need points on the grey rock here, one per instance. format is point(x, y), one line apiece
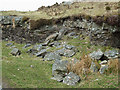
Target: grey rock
point(15, 52)
point(93, 67)
point(71, 34)
point(69, 47)
point(69, 53)
point(96, 27)
point(96, 55)
point(60, 52)
point(27, 45)
point(52, 37)
point(71, 79)
point(103, 62)
point(32, 51)
point(55, 44)
point(52, 56)
point(59, 67)
point(105, 26)
point(66, 52)
point(13, 46)
point(46, 43)
point(103, 68)
point(58, 77)
point(111, 54)
point(41, 53)
point(61, 33)
point(38, 47)
point(9, 44)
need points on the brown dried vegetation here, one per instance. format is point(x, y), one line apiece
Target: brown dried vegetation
point(82, 67)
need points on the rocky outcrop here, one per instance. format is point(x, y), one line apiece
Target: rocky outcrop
point(100, 32)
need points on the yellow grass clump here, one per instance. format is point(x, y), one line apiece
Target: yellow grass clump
point(82, 67)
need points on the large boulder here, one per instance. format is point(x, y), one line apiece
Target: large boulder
point(59, 70)
point(52, 56)
point(71, 79)
point(15, 52)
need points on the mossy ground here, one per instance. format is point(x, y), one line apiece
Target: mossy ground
point(18, 73)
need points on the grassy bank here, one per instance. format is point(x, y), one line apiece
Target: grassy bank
point(87, 8)
point(18, 73)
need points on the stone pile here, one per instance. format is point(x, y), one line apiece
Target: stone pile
point(104, 58)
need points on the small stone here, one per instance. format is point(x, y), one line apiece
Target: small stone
point(15, 52)
point(104, 62)
point(27, 45)
point(9, 44)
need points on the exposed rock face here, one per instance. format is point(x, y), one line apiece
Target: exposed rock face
point(105, 34)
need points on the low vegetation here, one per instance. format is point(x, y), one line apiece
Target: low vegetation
point(26, 71)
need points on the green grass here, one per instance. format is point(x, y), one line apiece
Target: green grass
point(17, 72)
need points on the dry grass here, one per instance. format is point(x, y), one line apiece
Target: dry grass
point(112, 66)
point(82, 67)
point(88, 8)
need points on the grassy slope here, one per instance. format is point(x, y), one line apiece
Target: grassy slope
point(39, 76)
point(98, 9)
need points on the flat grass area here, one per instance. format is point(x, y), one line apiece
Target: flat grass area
point(18, 73)
point(87, 8)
